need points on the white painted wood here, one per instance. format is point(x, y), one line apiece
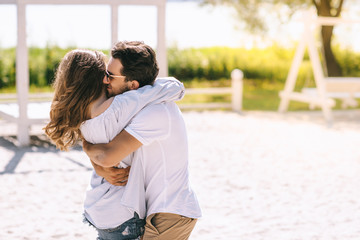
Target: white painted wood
point(342, 84)
point(90, 2)
point(331, 21)
point(214, 90)
point(293, 73)
point(22, 76)
point(6, 116)
point(309, 98)
point(318, 72)
point(5, 97)
point(114, 23)
point(237, 89)
point(205, 106)
point(347, 98)
point(161, 41)
point(37, 111)
point(7, 1)
point(22, 72)
point(324, 85)
point(332, 94)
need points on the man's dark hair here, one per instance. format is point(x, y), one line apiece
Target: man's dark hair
point(138, 60)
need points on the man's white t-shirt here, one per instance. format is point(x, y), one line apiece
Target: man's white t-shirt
point(107, 206)
point(164, 155)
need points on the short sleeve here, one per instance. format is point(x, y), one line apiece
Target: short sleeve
point(150, 124)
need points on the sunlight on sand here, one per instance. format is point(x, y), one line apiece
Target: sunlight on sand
point(258, 175)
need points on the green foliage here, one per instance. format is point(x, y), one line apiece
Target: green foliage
point(271, 63)
point(7, 67)
point(42, 65)
point(349, 62)
point(265, 71)
point(201, 64)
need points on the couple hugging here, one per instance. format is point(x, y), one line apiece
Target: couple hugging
point(126, 116)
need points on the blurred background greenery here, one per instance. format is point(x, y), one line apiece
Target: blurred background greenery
point(265, 71)
point(265, 62)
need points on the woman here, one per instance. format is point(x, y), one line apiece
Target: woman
point(80, 109)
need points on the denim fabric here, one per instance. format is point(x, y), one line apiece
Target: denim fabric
point(129, 230)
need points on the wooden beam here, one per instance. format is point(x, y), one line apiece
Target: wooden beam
point(114, 24)
point(204, 105)
point(8, 1)
point(91, 2)
point(22, 76)
point(342, 84)
point(302, 97)
point(161, 41)
point(332, 21)
point(212, 90)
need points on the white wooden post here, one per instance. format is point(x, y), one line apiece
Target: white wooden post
point(22, 70)
point(318, 72)
point(307, 41)
point(293, 73)
point(237, 89)
point(161, 42)
point(22, 76)
point(114, 23)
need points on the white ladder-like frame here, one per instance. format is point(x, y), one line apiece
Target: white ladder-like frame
point(324, 85)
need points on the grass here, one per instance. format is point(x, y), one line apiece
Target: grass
point(257, 95)
point(261, 95)
point(32, 89)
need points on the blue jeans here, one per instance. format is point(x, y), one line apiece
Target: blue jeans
point(129, 230)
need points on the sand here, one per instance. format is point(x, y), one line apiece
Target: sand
point(258, 175)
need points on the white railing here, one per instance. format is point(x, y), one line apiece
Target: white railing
point(236, 91)
point(33, 97)
point(22, 68)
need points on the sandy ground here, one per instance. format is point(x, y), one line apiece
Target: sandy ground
point(258, 175)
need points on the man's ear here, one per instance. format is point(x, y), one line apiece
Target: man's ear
point(134, 85)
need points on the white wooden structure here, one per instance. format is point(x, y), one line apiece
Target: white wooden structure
point(36, 110)
point(236, 91)
point(22, 113)
point(327, 88)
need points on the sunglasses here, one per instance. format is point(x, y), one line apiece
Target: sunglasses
point(108, 75)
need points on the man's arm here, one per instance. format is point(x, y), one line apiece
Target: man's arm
point(110, 154)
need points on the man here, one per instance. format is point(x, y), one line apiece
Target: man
point(157, 136)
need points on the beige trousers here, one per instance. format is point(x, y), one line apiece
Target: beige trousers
point(168, 226)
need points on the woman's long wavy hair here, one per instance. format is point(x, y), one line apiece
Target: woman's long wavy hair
point(78, 82)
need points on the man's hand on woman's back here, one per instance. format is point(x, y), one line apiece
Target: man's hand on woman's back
point(115, 176)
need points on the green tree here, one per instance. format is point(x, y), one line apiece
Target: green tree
point(248, 11)
point(51, 64)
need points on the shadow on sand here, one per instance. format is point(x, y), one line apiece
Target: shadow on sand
point(38, 144)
